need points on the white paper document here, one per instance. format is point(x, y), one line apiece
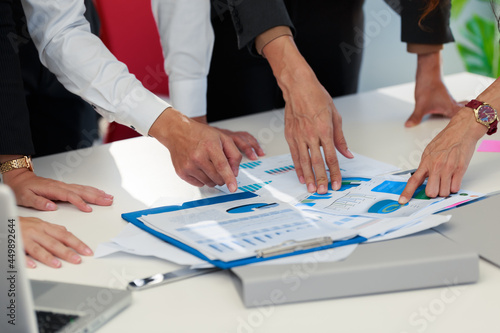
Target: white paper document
point(285, 214)
point(276, 175)
point(238, 229)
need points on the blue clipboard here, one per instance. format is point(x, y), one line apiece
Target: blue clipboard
point(133, 218)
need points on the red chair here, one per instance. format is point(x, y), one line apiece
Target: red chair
point(129, 31)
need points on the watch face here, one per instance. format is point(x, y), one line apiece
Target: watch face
point(486, 114)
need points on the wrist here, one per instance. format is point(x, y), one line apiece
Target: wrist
point(162, 125)
point(6, 158)
point(428, 67)
point(169, 126)
point(9, 176)
point(468, 123)
point(288, 65)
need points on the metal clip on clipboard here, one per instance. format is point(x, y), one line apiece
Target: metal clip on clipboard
point(293, 246)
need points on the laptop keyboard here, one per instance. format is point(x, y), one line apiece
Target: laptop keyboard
point(50, 322)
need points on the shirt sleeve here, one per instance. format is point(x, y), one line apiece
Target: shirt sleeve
point(85, 67)
point(434, 29)
point(187, 40)
point(15, 133)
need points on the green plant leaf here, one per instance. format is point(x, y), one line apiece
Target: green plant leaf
point(457, 6)
point(480, 54)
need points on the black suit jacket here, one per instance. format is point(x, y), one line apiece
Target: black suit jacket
point(252, 17)
point(15, 134)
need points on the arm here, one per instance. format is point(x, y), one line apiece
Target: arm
point(426, 39)
point(311, 119)
point(431, 95)
point(85, 67)
point(187, 64)
point(46, 242)
point(15, 135)
point(446, 158)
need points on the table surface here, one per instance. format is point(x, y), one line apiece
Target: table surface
point(138, 172)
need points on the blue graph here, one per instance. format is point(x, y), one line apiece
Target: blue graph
point(280, 170)
point(254, 187)
point(250, 165)
point(385, 207)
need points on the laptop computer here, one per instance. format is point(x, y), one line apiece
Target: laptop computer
point(44, 306)
point(476, 225)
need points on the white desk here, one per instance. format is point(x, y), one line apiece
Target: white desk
point(138, 172)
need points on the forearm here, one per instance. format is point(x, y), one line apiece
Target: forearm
point(428, 67)
point(85, 66)
point(288, 65)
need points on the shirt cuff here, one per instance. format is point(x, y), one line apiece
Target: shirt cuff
point(138, 110)
point(269, 35)
point(189, 96)
point(423, 48)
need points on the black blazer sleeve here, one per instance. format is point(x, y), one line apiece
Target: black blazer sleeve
point(253, 17)
point(436, 25)
point(15, 134)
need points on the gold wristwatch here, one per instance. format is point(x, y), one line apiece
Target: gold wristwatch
point(19, 163)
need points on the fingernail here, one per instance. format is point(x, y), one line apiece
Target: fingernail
point(50, 206)
point(88, 208)
point(56, 263)
point(88, 251)
point(254, 156)
point(108, 196)
point(322, 189)
point(108, 199)
point(350, 152)
point(302, 180)
point(76, 259)
point(335, 186)
point(311, 188)
point(31, 263)
point(232, 187)
point(402, 200)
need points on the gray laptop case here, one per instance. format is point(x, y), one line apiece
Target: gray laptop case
point(477, 225)
point(423, 260)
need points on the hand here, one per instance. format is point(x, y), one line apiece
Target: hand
point(201, 154)
point(38, 192)
point(311, 119)
point(245, 142)
point(431, 95)
point(45, 241)
point(446, 158)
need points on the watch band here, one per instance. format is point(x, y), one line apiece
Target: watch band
point(475, 105)
point(19, 163)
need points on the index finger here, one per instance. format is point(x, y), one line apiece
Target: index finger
point(227, 163)
point(413, 183)
point(333, 165)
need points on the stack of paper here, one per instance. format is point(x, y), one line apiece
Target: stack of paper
point(277, 215)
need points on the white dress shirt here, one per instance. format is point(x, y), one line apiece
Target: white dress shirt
point(85, 67)
point(187, 40)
